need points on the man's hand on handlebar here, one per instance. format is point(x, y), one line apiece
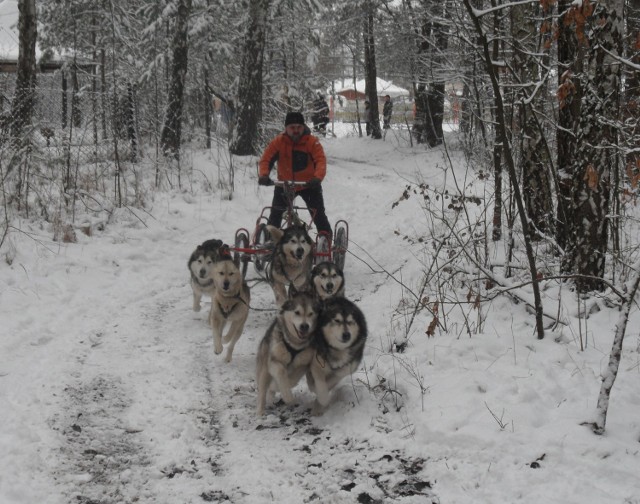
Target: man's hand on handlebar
point(314, 182)
point(265, 181)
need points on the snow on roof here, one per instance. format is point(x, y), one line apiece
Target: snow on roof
point(383, 87)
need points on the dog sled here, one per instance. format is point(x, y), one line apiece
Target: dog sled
point(257, 247)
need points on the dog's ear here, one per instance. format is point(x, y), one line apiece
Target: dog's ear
point(224, 252)
point(292, 291)
point(275, 233)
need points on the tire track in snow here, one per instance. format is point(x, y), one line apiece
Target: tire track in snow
point(136, 420)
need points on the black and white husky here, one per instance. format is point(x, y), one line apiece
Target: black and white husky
point(285, 352)
point(291, 261)
point(200, 265)
point(338, 345)
point(327, 280)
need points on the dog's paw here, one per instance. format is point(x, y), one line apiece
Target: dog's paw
point(317, 409)
point(217, 350)
point(196, 307)
point(287, 397)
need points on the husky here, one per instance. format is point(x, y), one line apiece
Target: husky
point(291, 261)
point(229, 304)
point(285, 351)
point(200, 264)
point(338, 348)
point(327, 280)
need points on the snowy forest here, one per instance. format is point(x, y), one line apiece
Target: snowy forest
point(545, 95)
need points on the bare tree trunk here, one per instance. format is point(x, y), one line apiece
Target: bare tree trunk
point(598, 142)
point(130, 113)
point(570, 103)
point(249, 104)
point(630, 112)
point(536, 186)
point(172, 130)
point(423, 30)
point(23, 100)
point(436, 89)
point(65, 100)
point(207, 110)
point(370, 70)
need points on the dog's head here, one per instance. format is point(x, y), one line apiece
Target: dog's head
point(212, 244)
point(204, 256)
point(327, 280)
point(201, 262)
point(299, 316)
point(294, 242)
point(226, 276)
point(342, 323)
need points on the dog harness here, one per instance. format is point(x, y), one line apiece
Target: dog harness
point(226, 313)
point(292, 351)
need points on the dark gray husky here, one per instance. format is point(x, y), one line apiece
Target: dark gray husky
point(341, 333)
point(200, 265)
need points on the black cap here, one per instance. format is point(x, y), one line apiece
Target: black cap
point(294, 118)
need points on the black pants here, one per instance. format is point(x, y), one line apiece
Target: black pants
point(313, 199)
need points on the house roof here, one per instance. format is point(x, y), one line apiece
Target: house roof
point(383, 87)
point(10, 43)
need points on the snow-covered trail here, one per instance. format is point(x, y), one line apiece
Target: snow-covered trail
point(133, 406)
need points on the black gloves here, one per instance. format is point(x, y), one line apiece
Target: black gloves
point(265, 181)
point(314, 182)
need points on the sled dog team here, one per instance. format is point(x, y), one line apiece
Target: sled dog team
point(316, 333)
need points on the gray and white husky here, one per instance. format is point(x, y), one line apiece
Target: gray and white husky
point(291, 261)
point(200, 264)
point(327, 280)
point(285, 352)
point(338, 348)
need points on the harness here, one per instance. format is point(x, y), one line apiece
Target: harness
point(226, 313)
point(292, 351)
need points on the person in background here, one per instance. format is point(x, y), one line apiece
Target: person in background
point(300, 157)
point(387, 110)
point(367, 117)
point(320, 115)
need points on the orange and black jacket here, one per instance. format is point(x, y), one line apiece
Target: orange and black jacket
point(300, 162)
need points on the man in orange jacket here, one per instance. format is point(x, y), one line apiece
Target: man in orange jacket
point(301, 158)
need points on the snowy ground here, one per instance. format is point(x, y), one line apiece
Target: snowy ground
point(110, 391)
